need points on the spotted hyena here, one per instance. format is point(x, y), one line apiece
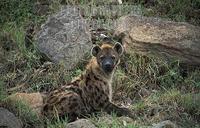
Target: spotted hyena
point(91, 91)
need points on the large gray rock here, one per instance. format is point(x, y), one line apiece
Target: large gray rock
point(8, 119)
point(167, 39)
point(65, 37)
point(82, 123)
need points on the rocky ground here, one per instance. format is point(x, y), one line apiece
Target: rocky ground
point(44, 44)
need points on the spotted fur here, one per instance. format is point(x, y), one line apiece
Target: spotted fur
point(91, 91)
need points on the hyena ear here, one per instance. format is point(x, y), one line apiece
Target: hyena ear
point(118, 48)
point(95, 50)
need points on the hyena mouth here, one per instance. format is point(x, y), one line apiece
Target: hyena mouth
point(108, 68)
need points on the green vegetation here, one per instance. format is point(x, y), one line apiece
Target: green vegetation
point(112, 122)
point(159, 90)
point(177, 10)
point(60, 123)
point(2, 91)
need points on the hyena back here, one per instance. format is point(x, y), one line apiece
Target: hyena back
point(91, 91)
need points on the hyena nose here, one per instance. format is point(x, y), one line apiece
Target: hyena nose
point(108, 67)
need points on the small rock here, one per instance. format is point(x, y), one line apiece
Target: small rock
point(165, 124)
point(82, 123)
point(8, 119)
point(65, 37)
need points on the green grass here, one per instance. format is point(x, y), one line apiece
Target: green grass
point(15, 11)
point(59, 123)
point(2, 91)
point(158, 89)
point(176, 10)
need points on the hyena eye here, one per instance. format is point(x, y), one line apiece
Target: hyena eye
point(113, 57)
point(101, 57)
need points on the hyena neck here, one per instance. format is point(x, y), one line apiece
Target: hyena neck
point(94, 69)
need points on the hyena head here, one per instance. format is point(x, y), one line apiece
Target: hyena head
point(107, 56)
